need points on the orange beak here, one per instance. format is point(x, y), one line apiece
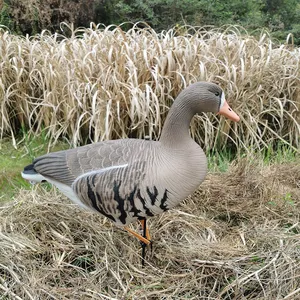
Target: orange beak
point(227, 112)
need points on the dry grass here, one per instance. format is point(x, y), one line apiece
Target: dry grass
point(104, 83)
point(238, 237)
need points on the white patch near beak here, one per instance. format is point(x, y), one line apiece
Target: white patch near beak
point(222, 100)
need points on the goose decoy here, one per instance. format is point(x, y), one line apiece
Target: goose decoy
point(132, 179)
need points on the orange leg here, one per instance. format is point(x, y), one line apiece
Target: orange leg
point(145, 238)
point(143, 223)
point(137, 235)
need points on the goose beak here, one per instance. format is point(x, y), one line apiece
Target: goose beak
point(227, 112)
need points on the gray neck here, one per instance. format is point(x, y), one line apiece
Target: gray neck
point(175, 131)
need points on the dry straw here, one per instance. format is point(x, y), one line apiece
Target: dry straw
point(236, 238)
point(103, 83)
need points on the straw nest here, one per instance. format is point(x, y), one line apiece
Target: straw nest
point(237, 237)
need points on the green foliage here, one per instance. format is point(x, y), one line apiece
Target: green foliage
point(32, 16)
point(281, 17)
point(281, 13)
point(157, 13)
point(282, 153)
point(5, 18)
point(231, 12)
point(219, 161)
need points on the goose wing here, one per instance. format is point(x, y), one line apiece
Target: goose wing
point(114, 191)
point(65, 166)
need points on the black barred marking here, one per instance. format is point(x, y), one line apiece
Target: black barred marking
point(131, 201)
point(147, 211)
point(152, 196)
point(29, 167)
point(103, 212)
point(120, 202)
point(126, 205)
point(75, 188)
point(91, 196)
point(93, 180)
point(163, 204)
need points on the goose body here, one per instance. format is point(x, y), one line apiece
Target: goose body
point(130, 179)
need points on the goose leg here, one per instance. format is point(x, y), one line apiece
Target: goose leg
point(145, 229)
point(137, 235)
point(145, 238)
point(146, 235)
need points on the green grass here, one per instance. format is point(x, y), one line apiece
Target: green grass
point(280, 154)
point(12, 162)
point(219, 161)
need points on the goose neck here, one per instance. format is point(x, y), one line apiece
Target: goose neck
point(175, 132)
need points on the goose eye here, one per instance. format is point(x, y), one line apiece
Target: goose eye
point(217, 94)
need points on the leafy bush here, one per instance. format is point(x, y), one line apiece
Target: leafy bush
point(31, 16)
point(280, 17)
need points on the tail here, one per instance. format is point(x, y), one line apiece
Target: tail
point(30, 174)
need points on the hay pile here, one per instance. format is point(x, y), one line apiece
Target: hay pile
point(236, 238)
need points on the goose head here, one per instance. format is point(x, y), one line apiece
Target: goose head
point(207, 97)
point(197, 98)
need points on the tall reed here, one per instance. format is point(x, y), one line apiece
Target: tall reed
point(106, 83)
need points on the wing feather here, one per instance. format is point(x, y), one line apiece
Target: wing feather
point(112, 191)
point(65, 166)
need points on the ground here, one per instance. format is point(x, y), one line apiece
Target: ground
point(237, 237)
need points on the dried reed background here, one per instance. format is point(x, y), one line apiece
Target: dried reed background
point(236, 238)
point(104, 83)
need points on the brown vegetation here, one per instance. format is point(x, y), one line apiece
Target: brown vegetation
point(238, 237)
point(29, 16)
point(104, 83)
